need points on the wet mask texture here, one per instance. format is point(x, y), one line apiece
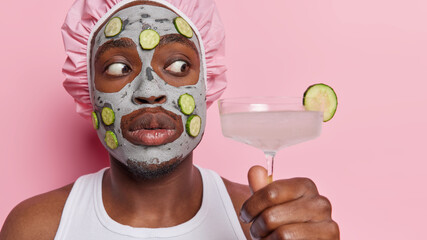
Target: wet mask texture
point(130, 114)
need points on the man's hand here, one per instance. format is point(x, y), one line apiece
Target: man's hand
point(287, 209)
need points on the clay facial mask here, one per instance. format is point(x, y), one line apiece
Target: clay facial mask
point(147, 87)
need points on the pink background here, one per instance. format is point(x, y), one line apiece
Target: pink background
point(370, 160)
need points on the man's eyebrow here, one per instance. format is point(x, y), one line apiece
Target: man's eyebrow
point(118, 43)
point(177, 38)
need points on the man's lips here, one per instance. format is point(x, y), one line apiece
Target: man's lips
point(153, 137)
point(151, 126)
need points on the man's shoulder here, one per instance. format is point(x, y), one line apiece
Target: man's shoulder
point(37, 217)
point(239, 193)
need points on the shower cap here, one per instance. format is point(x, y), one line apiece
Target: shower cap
point(81, 19)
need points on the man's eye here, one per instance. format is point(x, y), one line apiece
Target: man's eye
point(118, 69)
point(178, 67)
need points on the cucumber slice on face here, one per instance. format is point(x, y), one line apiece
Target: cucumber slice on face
point(108, 116)
point(113, 27)
point(111, 140)
point(148, 39)
point(183, 27)
point(95, 121)
point(321, 97)
point(193, 125)
point(186, 103)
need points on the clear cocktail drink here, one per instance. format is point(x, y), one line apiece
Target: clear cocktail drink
point(269, 124)
point(272, 131)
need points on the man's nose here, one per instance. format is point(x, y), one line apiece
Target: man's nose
point(150, 89)
point(150, 100)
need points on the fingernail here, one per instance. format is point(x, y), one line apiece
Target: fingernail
point(243, 218)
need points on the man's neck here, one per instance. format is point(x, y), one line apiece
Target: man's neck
point(164, 201)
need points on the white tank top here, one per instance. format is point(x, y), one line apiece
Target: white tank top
point(84, 216)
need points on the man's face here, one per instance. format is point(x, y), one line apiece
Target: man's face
point(142, 88)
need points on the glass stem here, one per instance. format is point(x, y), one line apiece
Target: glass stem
point(270, 160)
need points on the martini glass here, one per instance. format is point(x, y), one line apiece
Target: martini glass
point(269, 123)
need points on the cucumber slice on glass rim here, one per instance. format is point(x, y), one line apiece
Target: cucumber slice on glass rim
point(321, 97)
point(108, 116)
point(111, 140)
point(183, 27)
point(148, 39)
point(193, 125)
point(186, 103)
point(113, 27)
point(95, 121)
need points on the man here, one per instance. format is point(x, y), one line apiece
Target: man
point(151, 72)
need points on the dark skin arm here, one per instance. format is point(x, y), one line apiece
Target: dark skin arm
point(37, 217)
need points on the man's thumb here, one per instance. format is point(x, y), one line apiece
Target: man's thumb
point(257, 177)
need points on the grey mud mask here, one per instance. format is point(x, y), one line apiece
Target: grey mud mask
point(147, 133)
